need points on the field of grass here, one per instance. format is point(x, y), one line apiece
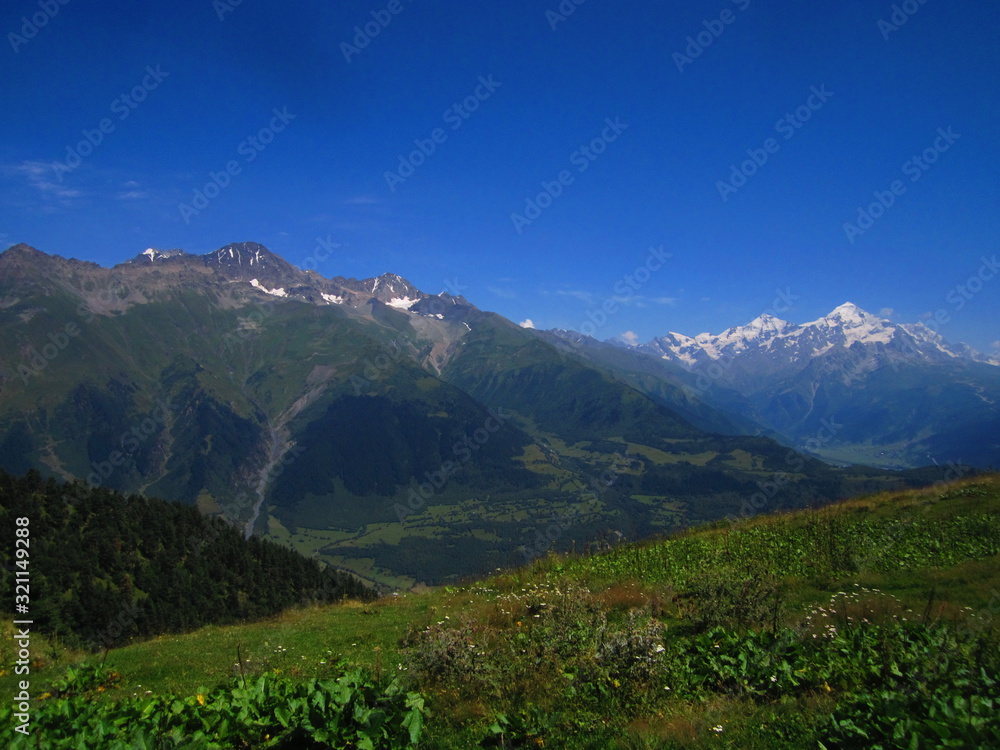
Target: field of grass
point(875, 622)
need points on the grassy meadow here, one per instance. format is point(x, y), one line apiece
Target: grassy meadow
point(870, 623)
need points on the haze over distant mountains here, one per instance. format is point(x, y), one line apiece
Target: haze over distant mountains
point(779, 340)
point(411, 436)
point(850, 386)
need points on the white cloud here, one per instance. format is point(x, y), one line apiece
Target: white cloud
point(527, 323)
point(639, 300)
point(996, 344)
point(886, 312)
point(502, 293)
point(40, 175)
point(586, 297)
point(630, 338)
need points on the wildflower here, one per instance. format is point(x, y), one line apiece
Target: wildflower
point(717, 728)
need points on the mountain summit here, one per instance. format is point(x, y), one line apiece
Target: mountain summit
point(850, 386)
point(783, 344)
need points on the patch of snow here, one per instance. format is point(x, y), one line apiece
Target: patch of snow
point(333, 299)
point(272, 292)
point(402, 303)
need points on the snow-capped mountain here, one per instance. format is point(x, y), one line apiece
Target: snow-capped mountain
point(850, 386)
point(771, 341)
point(264, 272)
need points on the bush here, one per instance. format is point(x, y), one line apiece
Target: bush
point(729, 598)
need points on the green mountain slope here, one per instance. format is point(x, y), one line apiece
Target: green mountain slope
point(870, 622)
point(102, 568)
point(406, 436)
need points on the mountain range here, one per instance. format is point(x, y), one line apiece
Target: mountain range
point(896, 395)
point(412, 437)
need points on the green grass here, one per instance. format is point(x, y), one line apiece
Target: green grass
point(716, 637)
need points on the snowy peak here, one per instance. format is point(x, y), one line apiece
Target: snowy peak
point(855, 325)
point(154, 255)
point(849, 313)
point(246, 255)
point(773, 341)
point(250, 260)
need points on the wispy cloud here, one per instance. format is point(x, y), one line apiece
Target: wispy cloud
point(502, 292)
point(587, 298)
point(995, 344)
point(40, 176)
point(639, 300)
point(634, 300)
point(629, 337)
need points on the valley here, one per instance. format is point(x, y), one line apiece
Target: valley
point(370, 425)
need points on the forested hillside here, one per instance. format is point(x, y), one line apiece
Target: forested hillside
point(106, 568)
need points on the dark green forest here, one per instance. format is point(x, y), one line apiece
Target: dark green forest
point(106, 568)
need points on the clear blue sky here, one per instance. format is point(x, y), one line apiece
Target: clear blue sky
point(885, 92)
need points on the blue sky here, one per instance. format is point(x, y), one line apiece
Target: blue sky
point(299, 129)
